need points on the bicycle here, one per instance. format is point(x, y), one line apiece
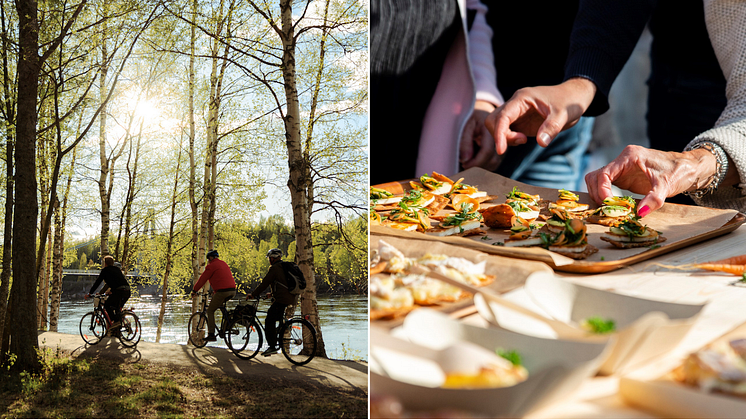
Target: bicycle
point(95, 325)
point(196, 328)
point(297, 336)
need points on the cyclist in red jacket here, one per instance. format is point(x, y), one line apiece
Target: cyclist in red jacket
point(224, 288)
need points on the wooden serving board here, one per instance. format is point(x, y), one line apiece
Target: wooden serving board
point(682, 225)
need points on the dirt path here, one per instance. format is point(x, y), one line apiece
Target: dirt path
point(345, 374)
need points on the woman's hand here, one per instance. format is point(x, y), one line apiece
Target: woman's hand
point(540, 112)
point(653, 173)
point(477, 148)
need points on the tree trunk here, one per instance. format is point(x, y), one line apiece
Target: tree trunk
point(9, 150)
point(298, 181)
point(195, 256)
point(42, 150)
point(56, 293)
point(104, 174)
point(216, 84)
point(24, 341)
point(169, 246)
point(128, 205)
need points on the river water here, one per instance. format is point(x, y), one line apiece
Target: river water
point(344, 321)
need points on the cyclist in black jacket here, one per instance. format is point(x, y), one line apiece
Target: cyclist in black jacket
point(120, 289)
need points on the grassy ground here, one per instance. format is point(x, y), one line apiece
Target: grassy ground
point(101, 387)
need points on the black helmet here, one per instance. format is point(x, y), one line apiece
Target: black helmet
point(274, 253)
point(213, 253)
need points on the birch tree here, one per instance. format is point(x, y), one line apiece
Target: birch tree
point(24, 340)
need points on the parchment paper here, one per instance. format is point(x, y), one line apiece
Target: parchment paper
point(677, 223)
point(510, 273)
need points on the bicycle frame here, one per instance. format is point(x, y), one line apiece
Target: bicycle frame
point(223, 310)
point(129, 331)
point(99, 308)
point(294, 333)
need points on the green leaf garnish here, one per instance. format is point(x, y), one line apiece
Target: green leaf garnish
point(462, 216)
point(598, 325)
point(376, 193)
point(513, 356)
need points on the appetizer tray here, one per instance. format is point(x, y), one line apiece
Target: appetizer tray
point(681, 225)
point(509, 273)
point(667, 397)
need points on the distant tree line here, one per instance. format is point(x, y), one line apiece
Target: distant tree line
point(340, 254)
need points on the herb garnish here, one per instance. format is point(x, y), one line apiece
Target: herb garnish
point(513, 356)
point(376, 193)
point(430, 182)
point(519, 206)
point(522, 196)
point(462, 216)
point(599, 325)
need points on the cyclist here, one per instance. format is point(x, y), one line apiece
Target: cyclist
point(120, 290)
point(281, 298)
point(224, 288)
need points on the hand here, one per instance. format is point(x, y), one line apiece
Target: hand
point(653, 173)
point(477, 147)
point(85, 297)
point(540, 112)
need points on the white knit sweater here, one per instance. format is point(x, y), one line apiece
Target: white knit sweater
point(726, 24)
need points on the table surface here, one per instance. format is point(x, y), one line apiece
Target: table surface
point(598, 397)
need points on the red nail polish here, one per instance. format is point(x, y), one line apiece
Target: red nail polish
point(645, 210)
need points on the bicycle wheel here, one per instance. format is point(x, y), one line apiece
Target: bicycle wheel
point(92, 328)
point(130, 331)
point(298, 341)
point(197, 329)
point(244, 337)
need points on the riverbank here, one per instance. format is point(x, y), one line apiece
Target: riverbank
point(156, 380)
point(343, 321)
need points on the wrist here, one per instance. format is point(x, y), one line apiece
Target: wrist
point(710, 167)
point(586, 88)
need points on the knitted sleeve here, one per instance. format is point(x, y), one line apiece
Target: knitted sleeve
point(726, 20)
point(603, 37)
point(482, 56)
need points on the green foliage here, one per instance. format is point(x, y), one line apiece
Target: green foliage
point(83, 262)
point(340, 255)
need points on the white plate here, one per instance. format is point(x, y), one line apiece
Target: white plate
point(646, 328)
point(556, 367)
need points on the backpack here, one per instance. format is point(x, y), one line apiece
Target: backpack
point(294, 277)
point(244, 310)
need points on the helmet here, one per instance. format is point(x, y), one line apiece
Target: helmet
point(212, 253)
point(274, 253)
